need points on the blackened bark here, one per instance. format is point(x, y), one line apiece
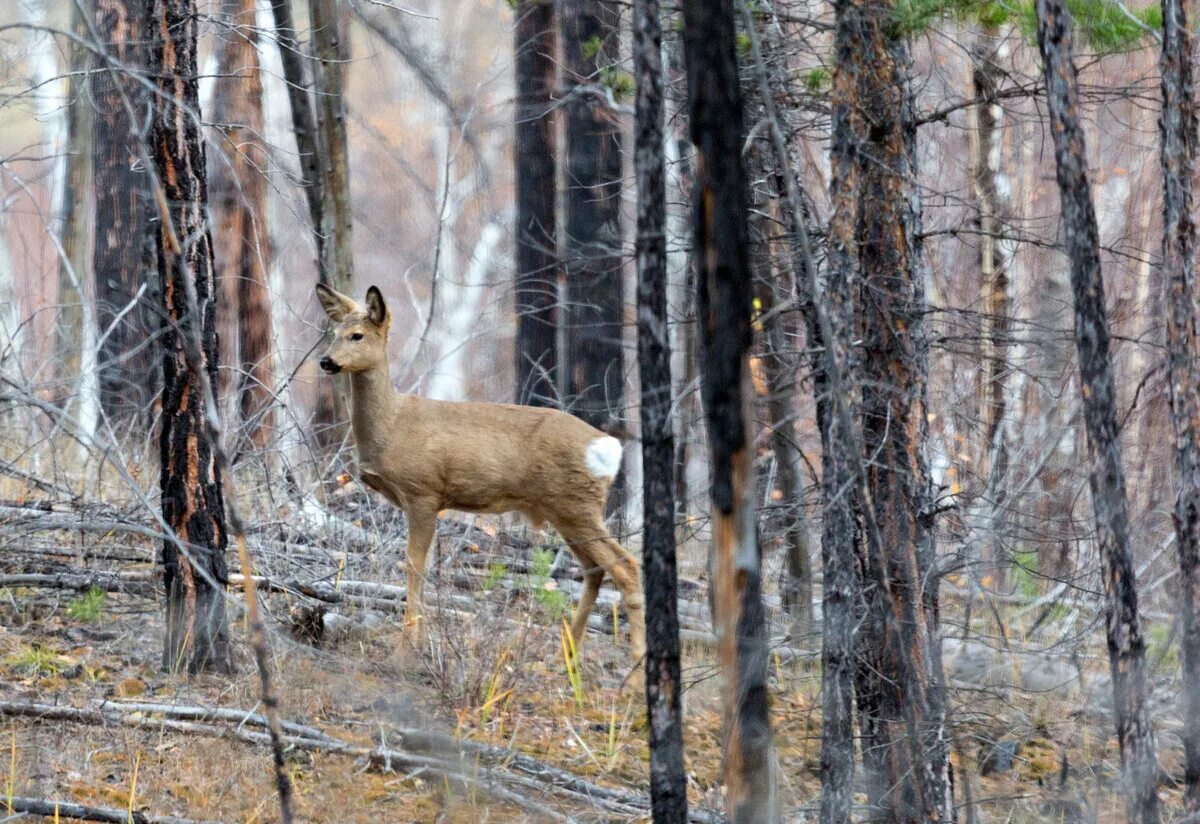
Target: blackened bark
point(122, 257)
point(1178, 125)
point(303, 124)
point(194, 568)
point(832, 312)
point(332, 55)
point(239, 200)
point(724, 292)
point(592, 367)
point(537, 249)
point(668, 782)
point(874, 236)
point(1126, 647)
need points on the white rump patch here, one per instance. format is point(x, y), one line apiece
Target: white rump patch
point(603, 457)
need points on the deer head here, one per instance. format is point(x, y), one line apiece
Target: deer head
point(360, 336)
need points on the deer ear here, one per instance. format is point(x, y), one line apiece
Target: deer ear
point(377, 310)
point(335, 304)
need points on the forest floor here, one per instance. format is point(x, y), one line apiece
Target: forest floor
point(434, 732)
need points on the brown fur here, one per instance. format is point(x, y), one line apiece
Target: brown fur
point(425, 456)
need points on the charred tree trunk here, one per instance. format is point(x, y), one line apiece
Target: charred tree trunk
point(536, 178)
point(332, 55)
point(239, 201)
point(592, 372)
point(899, 682)
point(1178, 124)
point(668, 782)
point(123, 256)
point(831, 323)
point(1126, 648)
point(194, 569)
point(724, 294)
point(304, 127)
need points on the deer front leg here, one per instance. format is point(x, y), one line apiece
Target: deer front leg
point(422, 524)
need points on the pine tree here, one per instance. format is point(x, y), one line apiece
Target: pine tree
point(536, 238)
point(194, 566)
point(1126, 647)
point(1178, 155)
point(724, 301)
point(239, 200)
point(668, 782)
point(123, 258)
point(592, 369)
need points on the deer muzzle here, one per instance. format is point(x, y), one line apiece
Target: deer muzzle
point(327, 363)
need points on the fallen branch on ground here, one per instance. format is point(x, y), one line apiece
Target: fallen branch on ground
point(81, 812)
point(491, 767)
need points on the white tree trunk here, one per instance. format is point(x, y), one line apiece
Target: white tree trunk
point(461, 302)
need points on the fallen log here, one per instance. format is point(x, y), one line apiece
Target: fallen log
point(137, 582)
point(81, 812)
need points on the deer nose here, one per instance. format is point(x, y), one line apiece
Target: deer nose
point(329, 366)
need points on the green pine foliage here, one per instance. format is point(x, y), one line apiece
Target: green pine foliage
point(1100, 24)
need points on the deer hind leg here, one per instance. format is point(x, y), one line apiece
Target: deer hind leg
point(598, 551)
point(592, 578)
point(422, 524)
point(627, 575)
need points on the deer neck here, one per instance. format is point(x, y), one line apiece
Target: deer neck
point(373, 407)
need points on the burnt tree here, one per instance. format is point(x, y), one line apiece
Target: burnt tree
point(876, 260)
point(239, 205)
point(724, 299)
point(1178, 155)
point(668, 781)
point(831, 321)
point(336, 269)
point(194, 567)
point(1126, 647)
point(535, 182)
point(122, 256)
point(592, 371)
point(304, 126)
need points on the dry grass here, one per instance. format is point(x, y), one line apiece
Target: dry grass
point(493, 669)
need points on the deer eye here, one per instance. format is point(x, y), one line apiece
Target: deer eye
point(357, 336)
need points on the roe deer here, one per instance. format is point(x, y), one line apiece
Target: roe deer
point(425, 456)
